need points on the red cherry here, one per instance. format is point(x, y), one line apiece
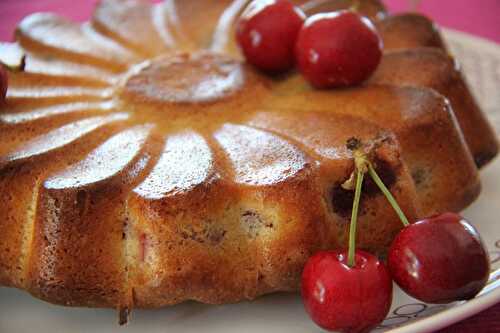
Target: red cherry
point(338, 49)
point(439, 259)
point(267, 31)
point(343, 298)
point(3, 83)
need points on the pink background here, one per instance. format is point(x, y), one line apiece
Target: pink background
point(480, 17)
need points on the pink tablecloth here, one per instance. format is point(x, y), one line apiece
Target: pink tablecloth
point(480, 17)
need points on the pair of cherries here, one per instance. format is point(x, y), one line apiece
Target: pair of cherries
point(439, 259)
point(333, 49)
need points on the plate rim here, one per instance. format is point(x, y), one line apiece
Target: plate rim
point(489, 297)
point(486, 43)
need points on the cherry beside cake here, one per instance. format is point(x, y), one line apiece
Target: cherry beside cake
point(144, 162)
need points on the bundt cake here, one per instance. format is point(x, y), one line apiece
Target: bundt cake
point(143, 163)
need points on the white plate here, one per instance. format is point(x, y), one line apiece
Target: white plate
point(20, 313)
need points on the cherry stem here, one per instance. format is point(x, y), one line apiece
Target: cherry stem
point(355, 6)
point(360, 173)
point(388, 195)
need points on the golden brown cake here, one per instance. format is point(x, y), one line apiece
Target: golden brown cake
point(143, 163)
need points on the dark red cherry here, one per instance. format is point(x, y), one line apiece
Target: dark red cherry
point(346, 299)
point(3, 83)
point(338, 49)
point(267, 32)
point(439, 259)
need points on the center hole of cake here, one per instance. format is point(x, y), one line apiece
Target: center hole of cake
point(186, 78)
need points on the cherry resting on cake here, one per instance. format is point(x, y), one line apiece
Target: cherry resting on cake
point(267, 31)
point(439, 259)
point(350, 290)
point(338, 49)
